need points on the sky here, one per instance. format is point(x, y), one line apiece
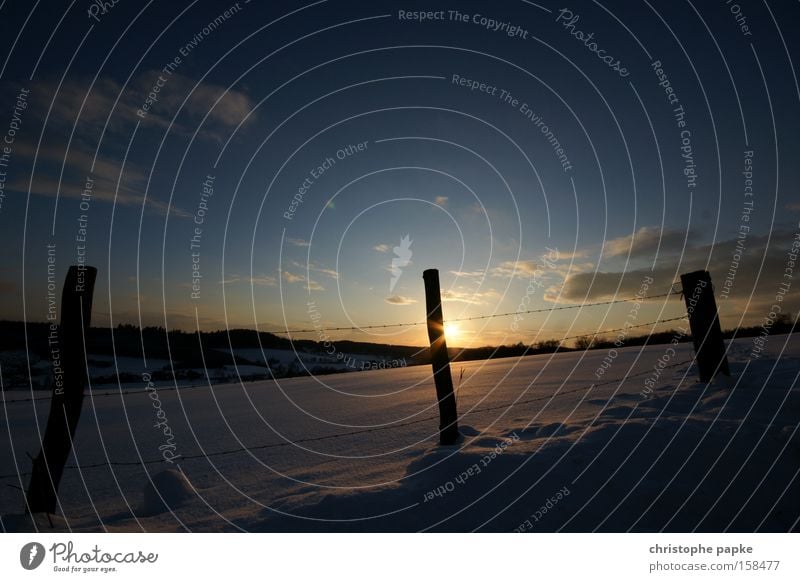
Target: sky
point(260, 164)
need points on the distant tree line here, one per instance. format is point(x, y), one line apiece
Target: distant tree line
point(183, 348)
point(213, 350)
point(784, 323)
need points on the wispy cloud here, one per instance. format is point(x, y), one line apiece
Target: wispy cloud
point(261, 281)
point(399, 300)
point(648, 240)
point(329, 272)
point(297, 242)
point(519, 269)
point(469, 274)
point(759, 272)
point(382, 248)
point(572, 255)
point(470, 298)
point(333, 274)
point(110, 107)
point(293, 278)
point(109, 185)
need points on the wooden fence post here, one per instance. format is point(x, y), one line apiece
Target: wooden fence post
point(698, 293)
point(65, 407)
point(440, 360)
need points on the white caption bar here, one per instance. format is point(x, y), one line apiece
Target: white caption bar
point(388, 557)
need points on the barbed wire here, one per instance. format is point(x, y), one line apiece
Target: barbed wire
point(226, 452)
point(125, 393)
point(548, 309)
point(473, 318)
point(353, 328)
point(607, 331)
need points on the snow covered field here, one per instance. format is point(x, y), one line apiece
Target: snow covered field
point(565, 457)
point(102, 369)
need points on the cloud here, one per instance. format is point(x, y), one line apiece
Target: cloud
point(94, 106)
point(647, 241)
point(292, 278)
point(564, 270)
point(233, 106)
point(475, 274)
point(399, 300)
point(264, 281)
point(441, 200)
point(316, 268)
point(297, 242)
point(753, 281)
point(592, 286)
point(530, 269)
point(382, 248)
point(329, 272)
point(477, 298)
point(569, 256)
point(111, 110)
point(520, 269)
point(476, 209)
point(311, 284)
point(109, 103)
point(261, 281)
point(126, 188)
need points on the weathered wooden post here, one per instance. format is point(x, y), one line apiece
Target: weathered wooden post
point(68, 353)
point(698, 293)
point(440, 360)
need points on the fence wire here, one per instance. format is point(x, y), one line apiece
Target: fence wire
point(281, 444)
point(122, 393)
point(473, 318)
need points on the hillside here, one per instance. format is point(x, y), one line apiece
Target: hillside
point(543, 450)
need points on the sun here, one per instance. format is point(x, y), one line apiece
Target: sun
point(451, 331)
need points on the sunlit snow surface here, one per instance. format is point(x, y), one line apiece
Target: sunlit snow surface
point(565, 457)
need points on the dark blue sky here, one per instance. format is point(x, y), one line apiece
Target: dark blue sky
point(261, 99)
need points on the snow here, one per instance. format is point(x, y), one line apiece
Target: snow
point(344, 361)
point(566, 457)
point(100, 367)
point(167, 490)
